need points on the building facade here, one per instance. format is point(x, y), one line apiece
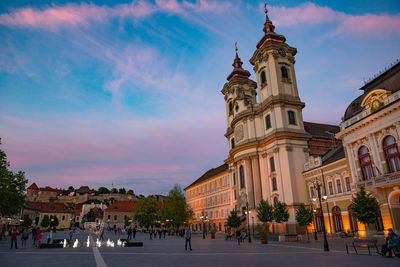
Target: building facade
point(370, 132)
point(211, 198)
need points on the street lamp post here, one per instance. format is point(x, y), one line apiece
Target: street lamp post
point(248, 221)
point(315, 222)
point(317, 186)
point(252, 221)
point(204, 219)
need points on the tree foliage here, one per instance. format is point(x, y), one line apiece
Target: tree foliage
point(53, 221)
point(127, 221)
point(12, 188)
point(233, 220)
point(71, 188)
point(130, 192)
point(27, 221)
point(175, 208)
point(365, 207)
point(122, 191)
point(102, 190)
point(304, 216)
point(45, 221)
point(114, 190)
point(147, 212)
point(281, 213)
point(36, 220)
point(265, 212)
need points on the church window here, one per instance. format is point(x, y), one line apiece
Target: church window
point(284, 72)
point(233, 143)
point(268, 121)
point(365, 163)
point(292, 119)
point(242, 184)
point(391, 153)
point(230, 106)
point(272, 164)
point(274, 186)
point(237, 108)
point(263, 78)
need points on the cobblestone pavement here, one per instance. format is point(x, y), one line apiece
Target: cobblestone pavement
point(206, 252)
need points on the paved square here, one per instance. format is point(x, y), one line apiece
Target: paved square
point(170, 252)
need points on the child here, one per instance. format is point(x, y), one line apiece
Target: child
point(40, 236)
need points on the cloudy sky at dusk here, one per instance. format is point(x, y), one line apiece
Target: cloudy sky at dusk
point(101, 92)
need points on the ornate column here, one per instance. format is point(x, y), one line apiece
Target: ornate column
point(352, 163)
point(249, 182)
point(256, 180)
point(375, 153)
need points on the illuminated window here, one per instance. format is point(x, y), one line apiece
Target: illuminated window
point(365, 163)
point(391, 153)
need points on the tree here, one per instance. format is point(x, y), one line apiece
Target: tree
point(365, 207)
point(175, 208)
point(281, 213)
point(12, 188)
point(27, 221)
point(102, 190)
point(65, 192)
point(71, 188)
point(233, 220)
point(122, 191)
point(304, 216)
point(45, 221)
point(53, 221)
point(147, 212)
point(130, 192)
point(265, 212)
point(114, 190)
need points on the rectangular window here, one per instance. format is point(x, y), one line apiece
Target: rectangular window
point(312, 192)
point(234, 179)
point(204, 189)
point(292, 119)
point(228, 181)
point(348, 185)
point(339, 186)
point(208, 201)
point(272, 164)
point(223, 182)
point(224, 197)
point(229, 196)
point(109, 217)
point(115, 217)
point(208, 188)
point(217, 184)
point(234, 192)
point(330, 186)
point(267, 122)
point(63, 217)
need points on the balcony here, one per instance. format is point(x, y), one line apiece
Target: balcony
point(380, 181)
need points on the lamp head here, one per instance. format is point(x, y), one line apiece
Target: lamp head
point(314, 199)
point(325, 197)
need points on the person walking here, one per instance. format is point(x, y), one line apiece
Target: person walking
point(24, 237)
point(14, 233)
point(238, 235)
point(129, 233)
point(40, 237)
point(37, 235)
point(34, 236)
point(71, 234)
point(151, 234)
point(49, 236)
point(188, 238)
point(134, 233)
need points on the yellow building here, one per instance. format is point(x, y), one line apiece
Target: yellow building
point(370, 132)
point(62, 212)
point(211, 197)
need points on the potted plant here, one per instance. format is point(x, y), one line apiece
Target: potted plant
point(263, 230)
point(265, 214)
point(213, 231)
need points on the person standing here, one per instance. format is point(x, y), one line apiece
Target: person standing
point(34, 236)
point(129, 233)
point(134, 233)
point(49, 236)
point(14, 233)
point(40, 237)
point(24, 237)
point(71, 234)
point(238, 236)
point(188, 238)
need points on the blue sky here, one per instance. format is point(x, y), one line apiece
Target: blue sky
point(128, 93)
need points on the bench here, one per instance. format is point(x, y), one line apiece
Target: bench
point(363, 243)
point(291, 237)
point(228, 237)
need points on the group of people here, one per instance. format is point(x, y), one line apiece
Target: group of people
point(159, 232)
point(24, 233)
point(392, 242)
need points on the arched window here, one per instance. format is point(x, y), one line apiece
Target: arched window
point(241, 170)
point(272, 164)
point(263, 78)
point(353, 220)
point(233, 143)
point(292, 119)
point(391, 153)
point(267, 121)
point(230, 106)
point(318, 220)
point(365, 163)
point(274, 186)
point(284, 72)
point(337, 219)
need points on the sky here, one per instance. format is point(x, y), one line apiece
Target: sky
point(127, 93)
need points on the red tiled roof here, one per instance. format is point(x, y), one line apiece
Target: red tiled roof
point(85, 189)
point(48, 207)
point(209, 174)
point(33, 186)
point(125, 206)
point(320, 129)
point(48, 188)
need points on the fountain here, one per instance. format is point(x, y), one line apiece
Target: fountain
point(65, 243)
point(75, 245)
point(88, 241)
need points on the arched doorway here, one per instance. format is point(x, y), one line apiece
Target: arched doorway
point(337, 219)
point(394, 205)
point(353, 221)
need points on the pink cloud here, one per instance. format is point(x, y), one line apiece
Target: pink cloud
point(311, 14)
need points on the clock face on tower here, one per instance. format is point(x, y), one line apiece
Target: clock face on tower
point(282, 52)
point(260, 58)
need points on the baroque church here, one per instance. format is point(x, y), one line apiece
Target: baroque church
point(268, 140)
